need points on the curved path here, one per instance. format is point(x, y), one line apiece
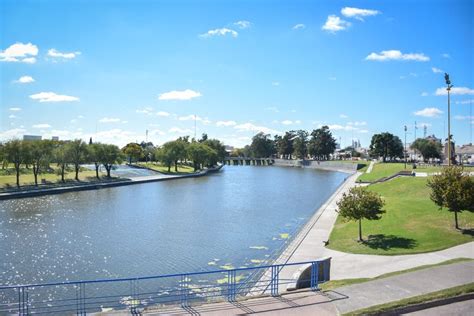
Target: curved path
point(347, 265)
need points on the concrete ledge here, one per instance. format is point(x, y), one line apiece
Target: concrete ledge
point(301, 277)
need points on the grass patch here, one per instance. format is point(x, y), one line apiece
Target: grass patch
point(381, 170)
point(412, 223)
point(345, 282)
point(8, 177)
point(182, 169)
point(443, 294)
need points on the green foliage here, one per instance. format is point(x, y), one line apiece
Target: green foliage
point(300, 144)
point(133, 151)
point(321, 144)
point(284, 144)
point(262, 146)
point(200, 154)
point(109, 155)
point(427, 148)
point(360, 204)
point(454, 190)
point(386, 145)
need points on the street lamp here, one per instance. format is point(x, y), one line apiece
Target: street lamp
point(448, 88)
point(405, 152)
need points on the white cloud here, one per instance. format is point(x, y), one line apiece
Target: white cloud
point(15, 109)
point(275, 83)
point(219, 32)
point(332, 78)
point(187, 94)
point(52, 97)
point(12, 133)
point(465, 102)
point(109, 120)
point(357, 123)
point(25, 79)
point(155, 132)
point(289, 122)
point(146, 110)
point(162, 113)
point(190, 117)
point(299, 26)
point(428, 112)
point(460, 117)
point(226, 123)
point(455, 90)
point(12, 116)
point(396, 55)
point(362, 131)
point(243, 24)
point(114, 136)
point(178, 130)
point(445, 55)
point(254, 128)
point(272, 109)
point(343, 116)
point(57, 54)
point(41, 126)
point(334, 24)
point(436, 70)
point(337, 127)
point(424, 94)
point(358, 13)
point(20, 52)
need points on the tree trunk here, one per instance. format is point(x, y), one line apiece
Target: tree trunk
point(169, 168)
point(77, 172)
point(108, 170)
point(176, 166)
point(97, 170)
point(35, 173)
point(360, 229)
point(456, 219)
point(17, 168)
point(62, 172)
point(130, 160)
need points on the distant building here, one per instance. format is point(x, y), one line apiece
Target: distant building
point(55, 138)
point(433, 138)
point(31, 137)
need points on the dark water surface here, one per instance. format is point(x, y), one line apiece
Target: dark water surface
point(238, 217)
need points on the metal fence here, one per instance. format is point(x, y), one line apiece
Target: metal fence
point(153, 292)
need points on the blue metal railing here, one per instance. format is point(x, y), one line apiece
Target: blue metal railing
point(153, 292)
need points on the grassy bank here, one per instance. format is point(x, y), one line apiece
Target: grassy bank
point(182, 169)
point(8, 177)
point(412, 223)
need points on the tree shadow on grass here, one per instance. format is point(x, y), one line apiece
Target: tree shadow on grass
point(387, 242)
point(468, 231)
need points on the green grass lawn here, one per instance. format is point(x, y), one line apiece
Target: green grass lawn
point(412, 223)
point(182, 169)
point(8, 177)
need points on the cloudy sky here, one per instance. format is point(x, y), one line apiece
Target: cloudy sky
point(114, 69)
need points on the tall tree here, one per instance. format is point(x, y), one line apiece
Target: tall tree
point(109, 156)
point(93, 155)
point(219, 148)
point(454, 190)
point(322, 144)
point(262, 146)
point(61, 157)
point(133, 151)
point(386, 145)
point(165, 156)
point(40, 155)
point(15, 152)
point(360, 204)
point(427, 148)
point(77, 151)
point(300, 144)
point(284, 144)
point(200, 154)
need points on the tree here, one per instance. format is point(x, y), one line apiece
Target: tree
point(40, 153)
point(15, 152)
point(262, 146)
point(300, 144)
point(284, 144)
point(109, 155)
point(77, 151)
point(93, 155)
point(133, 151)
point(164, 155)
point(200, 153)
point(61, 157)
point(219, 148)
point(386, 145)
point(454, 190)
point(360, 204)
point(427, 148)
point(322, 144)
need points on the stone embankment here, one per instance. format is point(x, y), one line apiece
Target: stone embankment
point(315, 164)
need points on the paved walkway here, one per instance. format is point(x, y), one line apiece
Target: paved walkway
point(403, 286)
point(371, 165)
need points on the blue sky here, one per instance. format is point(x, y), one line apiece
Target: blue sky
point(114, 69)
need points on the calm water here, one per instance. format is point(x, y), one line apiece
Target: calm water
point(229, 218)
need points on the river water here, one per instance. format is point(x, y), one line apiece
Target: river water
point(238, 217)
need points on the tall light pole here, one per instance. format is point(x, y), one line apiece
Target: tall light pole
point(448, 88)
point(405, 153)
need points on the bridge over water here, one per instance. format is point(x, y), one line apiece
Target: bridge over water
point(247, 161)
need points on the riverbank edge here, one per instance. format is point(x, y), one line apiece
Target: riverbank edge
point(316, 164)
point(100, 185)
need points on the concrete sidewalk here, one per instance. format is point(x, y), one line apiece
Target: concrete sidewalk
point(363, 295)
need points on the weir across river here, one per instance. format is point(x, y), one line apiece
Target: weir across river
point(247, 161)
